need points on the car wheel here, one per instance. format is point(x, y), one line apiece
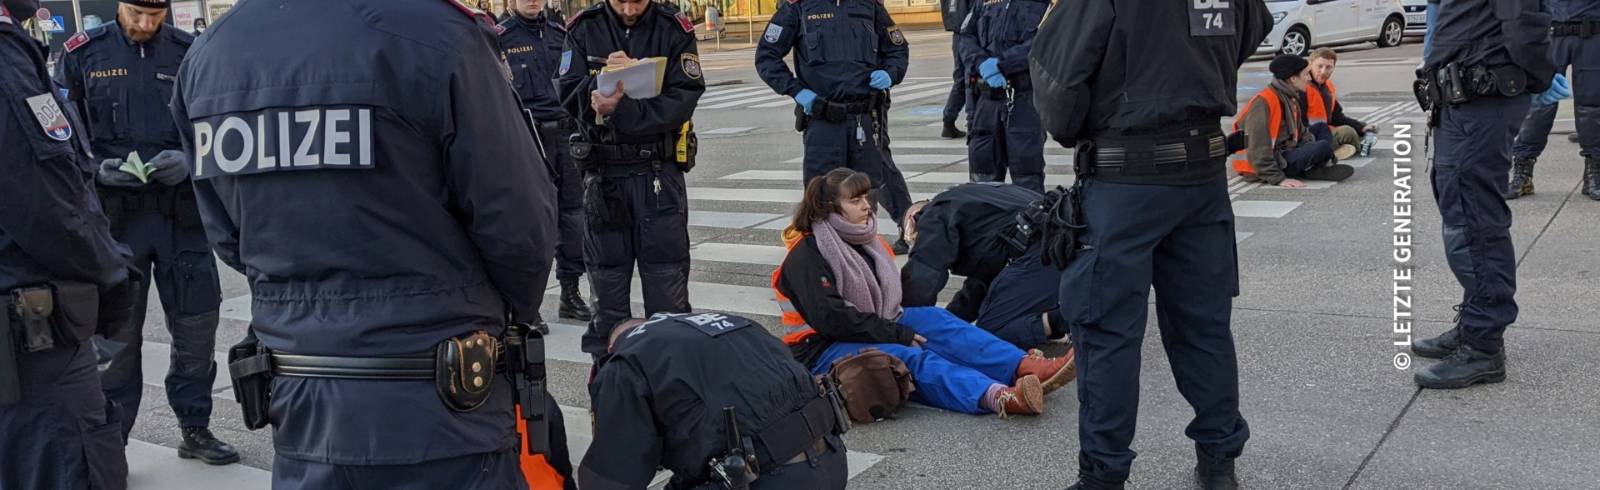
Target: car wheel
point(1394, 30)
point(1296, 42)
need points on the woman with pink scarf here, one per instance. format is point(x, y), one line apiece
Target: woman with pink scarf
point(842, 288)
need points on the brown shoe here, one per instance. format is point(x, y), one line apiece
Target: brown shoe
point(1055, 371)
point(1024, 398)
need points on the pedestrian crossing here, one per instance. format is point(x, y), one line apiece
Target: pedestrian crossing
point(759, 96)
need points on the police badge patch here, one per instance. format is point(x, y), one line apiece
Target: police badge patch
point(50, 117)
point(566, 61)
point(691, 65)
point(896, 37)
point(774, 31)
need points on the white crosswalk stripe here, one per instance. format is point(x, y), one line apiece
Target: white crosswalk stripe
point(760, 96)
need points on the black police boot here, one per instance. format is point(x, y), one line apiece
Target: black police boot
point(951, 131)
point(198, 443)
point(572, 305)
point(1213, 475)
point(1591, 178)
point(1333, 172)
point(1466, 367)
point(1438, 347)
point(1087, 485)
point(1521, 178)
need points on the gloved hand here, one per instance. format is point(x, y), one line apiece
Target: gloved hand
point(989, 67)
point(170, 167)
point(1559, 89)
point(996, 80)
point(805, 98)
point(109, 175)
point(881, 80)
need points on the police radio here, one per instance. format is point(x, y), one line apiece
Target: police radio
point(737, 469)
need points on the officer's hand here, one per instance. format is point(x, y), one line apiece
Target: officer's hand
point(603, 104)
point(171, 167)
point(618, 59)
point(996, 80)
point(110, 174)
point(1291, 184)
point(881, 80)
point(989, 67)
point(805, 98)
point(1559, 89)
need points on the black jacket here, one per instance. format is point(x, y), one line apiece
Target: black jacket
point(1495, 33)
point(810, 284)
point(959, 231)
point(661, 30)
point(952, 12)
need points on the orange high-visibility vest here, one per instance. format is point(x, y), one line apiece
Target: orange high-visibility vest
point(538, 472)
point(795, 328)
point(1241, 158)
point(1316, 111)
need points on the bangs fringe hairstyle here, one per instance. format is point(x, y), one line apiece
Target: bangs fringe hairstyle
point(825, 192)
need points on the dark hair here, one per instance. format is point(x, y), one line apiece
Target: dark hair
point(824, 193)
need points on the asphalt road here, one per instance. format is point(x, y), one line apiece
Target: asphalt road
point(1313, 325)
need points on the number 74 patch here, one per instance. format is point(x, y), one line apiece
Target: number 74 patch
point(1209, 18)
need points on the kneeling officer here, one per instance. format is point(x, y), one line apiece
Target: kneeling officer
point(724, 405)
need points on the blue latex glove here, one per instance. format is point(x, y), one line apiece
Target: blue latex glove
point(990, 67)
point(805, 98)
point(881, 80)
point(1559, 89)
point(996, 80)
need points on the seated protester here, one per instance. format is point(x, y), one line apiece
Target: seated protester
point(1323, 107)
point(659, 395)
point(840, 292)
point(1281, 148)
point(972, 230)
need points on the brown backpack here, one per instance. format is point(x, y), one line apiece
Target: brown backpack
point(872, 384)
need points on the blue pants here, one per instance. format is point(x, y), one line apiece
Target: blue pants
point(1024, 290)
point(856, 144)
point(959, 363)
point(1180, 240)
point(63, 435)
point(959, 94)
point(185, 276)
point(1310, 155)
point(1583, 56)
point(654, 235)
point(1006, 136)
point(1471, 159)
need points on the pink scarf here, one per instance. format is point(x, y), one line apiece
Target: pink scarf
point(856, 279)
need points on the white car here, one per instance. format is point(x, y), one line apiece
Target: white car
point(1301, 25)
point(1416, 17)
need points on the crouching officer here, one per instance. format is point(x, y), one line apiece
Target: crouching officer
point(1005, 135)
point(633, 154)
point(120, 76)
point(716, 399)
point(60, 268)
point(1149, 208)
point(846, 56)
point(445, 222)
point(989, 233)
point(1488, 59)
point(532, 44)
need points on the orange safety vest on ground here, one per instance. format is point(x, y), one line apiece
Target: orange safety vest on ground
point(534, 467)
point(1241, 158)
point(1316, 111)
point(795, 329)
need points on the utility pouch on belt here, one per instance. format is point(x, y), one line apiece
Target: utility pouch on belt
point(686, 147)
point(464, 370)
point(77, 311)
point(10, 376)
point(34, 307)
point(1064, 226)
point(582, 152)
point(250, 366)
point(872, 384)
point(524, 347)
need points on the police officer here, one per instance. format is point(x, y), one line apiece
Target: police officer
point(1503, 48)
point(995, 39)
point(1149, 208)
point(532, 44)
point(57, 430)
point(415, 154)
point(633, 153)
point(986, 232)
point(1575, 44)
point(840, 83)
point(952, 12)
point(120, 76)
point(670, 385)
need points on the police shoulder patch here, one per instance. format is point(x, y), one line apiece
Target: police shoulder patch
point(566, 61)
point(774, 32)
point(499, 30)
point(896, 37)
point(77, 41)
point(50, 116)
point(470, 12)
point(691, 65)
point(684, 22)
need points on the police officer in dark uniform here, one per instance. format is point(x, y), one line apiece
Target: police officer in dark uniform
point(386, 203)
point(1140, 94)
point(120, 76)
point(995, 39)
point(952, 12)
point(846, 56)
point(986, 232)
point(669, 388)
point(1488, 57)
point(532, 44)
point(633, 154)
point(1575, 44)
point(57, 430)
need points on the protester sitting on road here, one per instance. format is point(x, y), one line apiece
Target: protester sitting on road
point(1322, 102)
point(1282, 149)
point(977, 230)
point(840, 293)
